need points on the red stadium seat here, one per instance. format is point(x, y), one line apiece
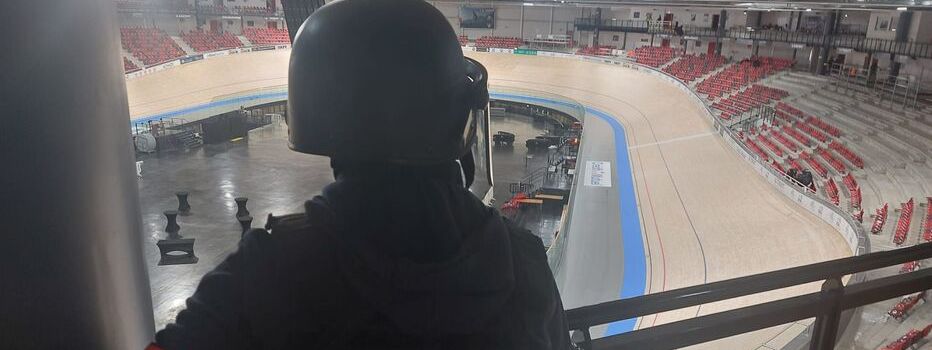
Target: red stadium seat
point(202, 41)
point(267, 36)
point(149, 45)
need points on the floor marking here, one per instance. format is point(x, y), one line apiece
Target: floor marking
point(676, 139)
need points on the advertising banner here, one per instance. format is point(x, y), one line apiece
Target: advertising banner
point(192, 58)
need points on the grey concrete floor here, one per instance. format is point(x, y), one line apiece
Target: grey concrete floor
point(275, 179)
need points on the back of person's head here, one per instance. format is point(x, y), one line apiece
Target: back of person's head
point(382, 82)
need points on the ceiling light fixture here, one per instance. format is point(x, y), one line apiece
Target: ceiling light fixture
point(901, 9)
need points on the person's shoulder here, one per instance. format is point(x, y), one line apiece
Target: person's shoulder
point(524, 243)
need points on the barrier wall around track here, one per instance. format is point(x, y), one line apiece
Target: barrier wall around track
point(198, 57)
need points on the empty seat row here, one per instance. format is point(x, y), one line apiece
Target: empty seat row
point(743, 73)
point(814, 164)
point(747, 99)
point(654, 56)
point(847, 153)
point(902, 224)
point(880, 218)
point(499, 42)
point(832, 161)
point(690, 67)
point(927, 229)
point(831, 190)
point(596, 50)
point(202, 41)
point(267, 36)
point(149, 45)
point(129, 66)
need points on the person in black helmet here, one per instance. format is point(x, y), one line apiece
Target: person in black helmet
point(399, 252)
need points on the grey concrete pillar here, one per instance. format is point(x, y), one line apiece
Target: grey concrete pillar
point(831, 27)
point(73, 272)
point(720, 31)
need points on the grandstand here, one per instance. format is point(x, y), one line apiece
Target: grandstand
point(267, 36)
point(499, 42)
point(149, 45)
point(691, 67)
point(128, 65)
point(654, 56)
point(202, 41)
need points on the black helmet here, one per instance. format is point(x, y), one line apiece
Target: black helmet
point(383, 81)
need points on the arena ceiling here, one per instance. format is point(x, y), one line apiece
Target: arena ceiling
point(902, 5)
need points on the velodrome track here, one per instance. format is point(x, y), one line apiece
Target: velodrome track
point(705, 215)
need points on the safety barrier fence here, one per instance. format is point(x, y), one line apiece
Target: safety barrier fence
point(198, 57)
point(826, 305)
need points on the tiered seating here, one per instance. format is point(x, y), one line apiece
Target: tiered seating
point(654, 56)
point(910, 267)
point(902, 224)
point(202, 41)
point(832, 191)
point(776, 166)
point(754, 147)
point(816, 134)
point(128, 65)
point(905, 305)
point(753, 97)
point(798, 136)
point(773, 147)
point(854, 191)
point(814, 164)
point(499, 42)
point(834, 162)
point(267, 36)
point(847, 153)
point(741, 74)
point(781, 137)
point(909, 339)
point(596, 50)
point(463, 40)
point(927, 230)
point(795, 164)
point(253, 10)
point(690, 67)
point(149, 45)
point(821, 124)
point(879, 219)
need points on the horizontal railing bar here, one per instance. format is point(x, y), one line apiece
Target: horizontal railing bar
point(751, 318)
point(716, 291)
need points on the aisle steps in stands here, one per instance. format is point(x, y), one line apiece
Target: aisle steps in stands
point(188, 50)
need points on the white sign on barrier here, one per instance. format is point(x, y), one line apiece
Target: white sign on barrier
point(598, 174)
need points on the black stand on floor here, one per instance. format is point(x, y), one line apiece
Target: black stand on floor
point(175, 250)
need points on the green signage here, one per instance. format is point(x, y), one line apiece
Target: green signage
point(526, 52)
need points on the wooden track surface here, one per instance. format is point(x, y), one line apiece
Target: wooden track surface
point(705, 214)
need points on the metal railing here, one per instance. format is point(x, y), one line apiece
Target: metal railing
point(852, 39)
point(826, 306)
point(627, 25)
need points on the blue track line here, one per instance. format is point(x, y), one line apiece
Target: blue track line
point(634, 276)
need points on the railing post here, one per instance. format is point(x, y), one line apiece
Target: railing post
point(582, 344)
point(825, 329)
